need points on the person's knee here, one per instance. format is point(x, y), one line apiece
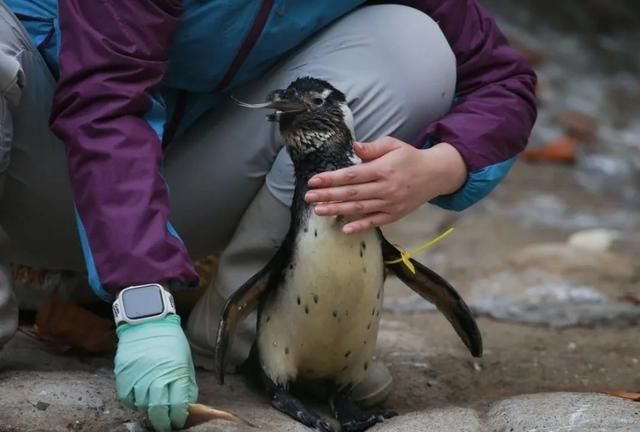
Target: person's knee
point(405, 74)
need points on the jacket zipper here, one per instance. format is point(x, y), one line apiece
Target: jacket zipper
point(244, 50)
point(248, 43)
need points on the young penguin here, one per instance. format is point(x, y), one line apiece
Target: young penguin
point(319, 298)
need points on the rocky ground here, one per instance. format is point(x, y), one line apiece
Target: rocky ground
point(548, 263)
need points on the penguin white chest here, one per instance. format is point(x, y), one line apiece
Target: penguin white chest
point(323, 320)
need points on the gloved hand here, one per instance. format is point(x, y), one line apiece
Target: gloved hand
point(154, 371)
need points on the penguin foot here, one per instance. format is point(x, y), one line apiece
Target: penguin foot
point(353, 419)
point(366, 419)
point(289, 405)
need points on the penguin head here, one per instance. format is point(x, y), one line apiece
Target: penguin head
point(313, 116)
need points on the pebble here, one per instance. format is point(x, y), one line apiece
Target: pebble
point(538, 296)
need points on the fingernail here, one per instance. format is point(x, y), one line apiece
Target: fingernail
point(310, 196)
point(358, 146)
point(347, 229)
point(321, 210)
point(315, 181)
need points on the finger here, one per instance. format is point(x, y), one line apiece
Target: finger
point(182, 392)
point(344, 193)
point(375, 149)
point(141, 395)
point(127, 401)
point(125, 393)
point(371, 221)
point(350, 208)
point(346, 176)
point(158, 411)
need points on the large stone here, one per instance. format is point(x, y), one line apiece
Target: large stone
point(566, 412)
point(534, 296)
point(264, 417)
point(63, 401)
point(437, 420)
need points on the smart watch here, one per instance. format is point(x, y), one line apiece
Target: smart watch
point(141, 303)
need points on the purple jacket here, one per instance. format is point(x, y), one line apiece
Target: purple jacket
point(112, 62)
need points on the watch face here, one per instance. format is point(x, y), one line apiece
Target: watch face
point(142, 302)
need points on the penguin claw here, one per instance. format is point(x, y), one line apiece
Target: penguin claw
point(287, 404)
point(325, 426)
point(366, 419)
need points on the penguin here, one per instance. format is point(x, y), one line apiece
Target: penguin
point(319, 298)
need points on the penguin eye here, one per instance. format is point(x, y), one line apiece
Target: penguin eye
point(317, 101)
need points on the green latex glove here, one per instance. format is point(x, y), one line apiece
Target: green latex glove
point(154, 371)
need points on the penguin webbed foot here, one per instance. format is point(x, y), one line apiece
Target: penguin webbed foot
point(289, 405)
point(354, 419)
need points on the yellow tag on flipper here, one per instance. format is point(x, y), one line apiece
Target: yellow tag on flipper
point(405, 257)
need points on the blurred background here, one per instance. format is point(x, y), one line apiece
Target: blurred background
point(550, 260)
point(548, 263)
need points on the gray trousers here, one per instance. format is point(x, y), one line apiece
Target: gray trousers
point(231, 181)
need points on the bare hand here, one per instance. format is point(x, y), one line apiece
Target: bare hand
point(393, 180)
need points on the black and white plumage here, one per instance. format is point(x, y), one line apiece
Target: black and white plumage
point(320, 297)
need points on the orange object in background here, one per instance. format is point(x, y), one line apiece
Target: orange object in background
point(560, 150)
point(64, 325)
point(68, 324)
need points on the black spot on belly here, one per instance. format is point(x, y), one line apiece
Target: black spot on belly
point(315, 298)
point(268, 318)
point(344, 368)
point(290, 266)
point(335, 314)
point(378, 296)
point(364, 269)
point(363, 245)
point(368, 326)
point(306, 230)
point(286, 350)
point(361, 253)
point(347, 354)
point(366, 366)
point(378, 313)
point(315, 233)
point(365, 341)
point(306, 309)
point(298, 300)
point(373, 311)
point(347, 313)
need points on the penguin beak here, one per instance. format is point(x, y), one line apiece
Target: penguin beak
point(284, 103)
point(281, 101)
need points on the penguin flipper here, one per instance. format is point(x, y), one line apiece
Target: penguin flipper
point(238, 307)
point(434, 288)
